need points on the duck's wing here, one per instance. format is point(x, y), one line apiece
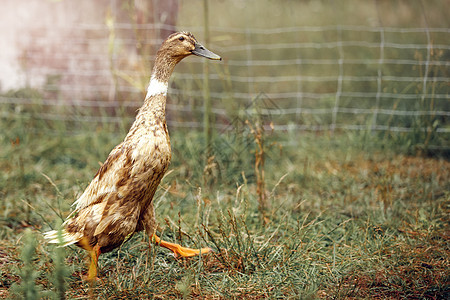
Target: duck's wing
point(107, 178)
point(100, 193)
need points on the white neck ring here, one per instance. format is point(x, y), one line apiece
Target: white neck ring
point(156, 87)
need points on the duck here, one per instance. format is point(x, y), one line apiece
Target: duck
point(118, 202)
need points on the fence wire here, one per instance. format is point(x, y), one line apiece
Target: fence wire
point(321, 78)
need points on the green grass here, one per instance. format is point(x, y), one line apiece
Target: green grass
point(347, 218)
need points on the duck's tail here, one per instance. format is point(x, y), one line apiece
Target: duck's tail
point(62, 237)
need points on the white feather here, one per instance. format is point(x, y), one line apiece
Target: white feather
point(66, 238)
point(156, 87)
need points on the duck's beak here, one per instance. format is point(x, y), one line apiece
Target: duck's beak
point(202, 51)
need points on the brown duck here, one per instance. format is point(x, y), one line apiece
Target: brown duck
point(118, 201)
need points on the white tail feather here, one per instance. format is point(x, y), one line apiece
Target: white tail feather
point(66, 238)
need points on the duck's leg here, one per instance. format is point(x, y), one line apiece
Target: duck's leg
point(178, 250)
point(148, 223)
point(94, 253)
point(92, 272)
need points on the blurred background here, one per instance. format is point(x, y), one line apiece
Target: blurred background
point(377, 67)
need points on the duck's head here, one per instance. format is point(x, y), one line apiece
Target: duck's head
point(181, 44)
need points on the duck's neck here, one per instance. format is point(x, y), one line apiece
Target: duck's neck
point(152, 114)
point(155, 99)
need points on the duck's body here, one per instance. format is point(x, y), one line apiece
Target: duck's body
point(118, 201)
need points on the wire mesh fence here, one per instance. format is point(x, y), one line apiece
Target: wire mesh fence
point(324, 78)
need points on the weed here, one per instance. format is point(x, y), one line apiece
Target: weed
point(60, 272)
point(27, 288)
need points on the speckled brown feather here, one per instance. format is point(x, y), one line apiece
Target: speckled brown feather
point(118, 201)
point(129, 178)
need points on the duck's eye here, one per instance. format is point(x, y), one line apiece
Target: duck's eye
point(181, 38)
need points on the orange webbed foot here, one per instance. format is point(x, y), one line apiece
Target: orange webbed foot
point(180, 251)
